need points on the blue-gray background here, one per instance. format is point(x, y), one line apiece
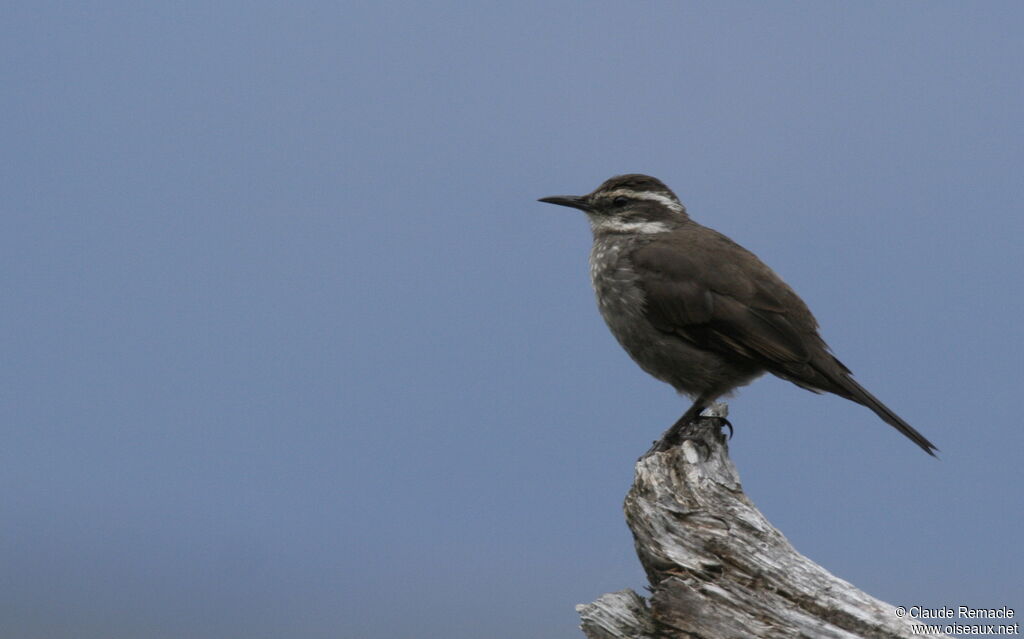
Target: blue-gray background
point(290, 350)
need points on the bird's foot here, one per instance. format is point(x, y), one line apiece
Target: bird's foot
point(667, 443)
point(690, 433)
point(688, 428)
point(724, 422)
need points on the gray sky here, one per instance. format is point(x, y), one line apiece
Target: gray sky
point(290, 350)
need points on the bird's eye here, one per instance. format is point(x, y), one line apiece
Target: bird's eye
point(620, 201)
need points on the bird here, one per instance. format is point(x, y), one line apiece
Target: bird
point(698, 311)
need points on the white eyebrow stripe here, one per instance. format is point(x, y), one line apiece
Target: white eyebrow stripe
point(648, 195)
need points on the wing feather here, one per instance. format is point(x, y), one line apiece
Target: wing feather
point(738, 309)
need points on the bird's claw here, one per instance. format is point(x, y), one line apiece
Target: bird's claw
point(726, 423)
point(676, 435)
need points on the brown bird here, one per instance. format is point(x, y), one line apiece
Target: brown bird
point(698, 311)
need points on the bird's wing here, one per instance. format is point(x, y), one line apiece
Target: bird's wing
point(738, 308)
point(729, 302)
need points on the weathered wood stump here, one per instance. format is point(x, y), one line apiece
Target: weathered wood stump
point(717, 568)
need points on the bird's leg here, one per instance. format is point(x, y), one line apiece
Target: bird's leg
point(675, 434)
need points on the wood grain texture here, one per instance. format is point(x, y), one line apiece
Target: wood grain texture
point(717, 568)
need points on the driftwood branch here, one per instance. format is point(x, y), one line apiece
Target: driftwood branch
point(717, 568)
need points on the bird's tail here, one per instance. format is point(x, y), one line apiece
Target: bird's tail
point(859, 394)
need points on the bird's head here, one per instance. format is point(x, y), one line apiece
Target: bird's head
point(630, 204)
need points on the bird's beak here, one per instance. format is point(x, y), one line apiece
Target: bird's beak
point(575, 201)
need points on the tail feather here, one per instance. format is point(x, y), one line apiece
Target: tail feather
point(859, 394)
point(826, 374)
